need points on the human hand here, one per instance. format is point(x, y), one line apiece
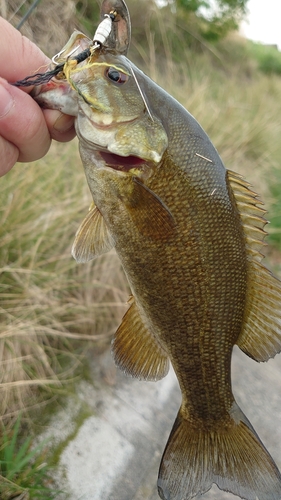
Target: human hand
point(25, 129)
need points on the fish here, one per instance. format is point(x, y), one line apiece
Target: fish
point(189, 234)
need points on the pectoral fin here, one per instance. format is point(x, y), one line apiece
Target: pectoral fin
point(92, 238)
point(151, 216)
point(136, 351)
point(260, 337)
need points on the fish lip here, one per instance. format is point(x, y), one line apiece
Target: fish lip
point(112, 125)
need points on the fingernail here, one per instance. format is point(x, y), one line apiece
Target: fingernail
point(6, 101)
point(63, 123)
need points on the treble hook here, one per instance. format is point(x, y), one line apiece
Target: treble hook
point(56, 56)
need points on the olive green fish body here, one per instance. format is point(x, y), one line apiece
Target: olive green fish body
point(202, 262)
point(189, 234)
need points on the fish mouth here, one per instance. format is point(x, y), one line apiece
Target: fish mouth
point(121, 163)
point(105, 122)
point(101, 120)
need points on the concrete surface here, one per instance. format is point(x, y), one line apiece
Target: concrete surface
point(116, 451)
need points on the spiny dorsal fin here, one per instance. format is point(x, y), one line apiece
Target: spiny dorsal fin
point(136, 351)
point(260, 337)
point(92, 238)
point(251, 214)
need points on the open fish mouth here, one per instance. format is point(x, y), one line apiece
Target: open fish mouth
point(122, 163)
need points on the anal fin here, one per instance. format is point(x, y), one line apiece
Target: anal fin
point(92, 238)
point(261, 334)
point(135, 350)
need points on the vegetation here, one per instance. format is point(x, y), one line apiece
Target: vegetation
point(215, 18)
point(23, 470)
point(268, 58)
point(47, 300)
point(178, 22)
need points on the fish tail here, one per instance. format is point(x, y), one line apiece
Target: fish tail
point(232, 457)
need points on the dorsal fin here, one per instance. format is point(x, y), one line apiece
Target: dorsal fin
point(136, 351)
point(92, 238)
point(260, 337)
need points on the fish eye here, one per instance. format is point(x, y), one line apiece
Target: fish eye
point(116, 76)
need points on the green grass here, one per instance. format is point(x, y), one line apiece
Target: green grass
point(24, 471)
point(268, 58)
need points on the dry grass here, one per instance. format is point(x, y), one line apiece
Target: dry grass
point(49, 25)
point(239, 114)
point(46, 299)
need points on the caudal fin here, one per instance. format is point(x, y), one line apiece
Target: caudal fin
point(233, 458)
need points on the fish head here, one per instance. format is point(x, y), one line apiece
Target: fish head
point(113, 114)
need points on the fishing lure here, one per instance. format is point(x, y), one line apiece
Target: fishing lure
point(101, 35)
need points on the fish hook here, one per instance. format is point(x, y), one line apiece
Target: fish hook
point(60, 53)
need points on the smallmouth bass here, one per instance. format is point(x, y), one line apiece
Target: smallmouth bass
point(188, 233)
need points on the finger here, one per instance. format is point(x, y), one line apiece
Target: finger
point(61, 126)
point(8, 156)
point(23, 123)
